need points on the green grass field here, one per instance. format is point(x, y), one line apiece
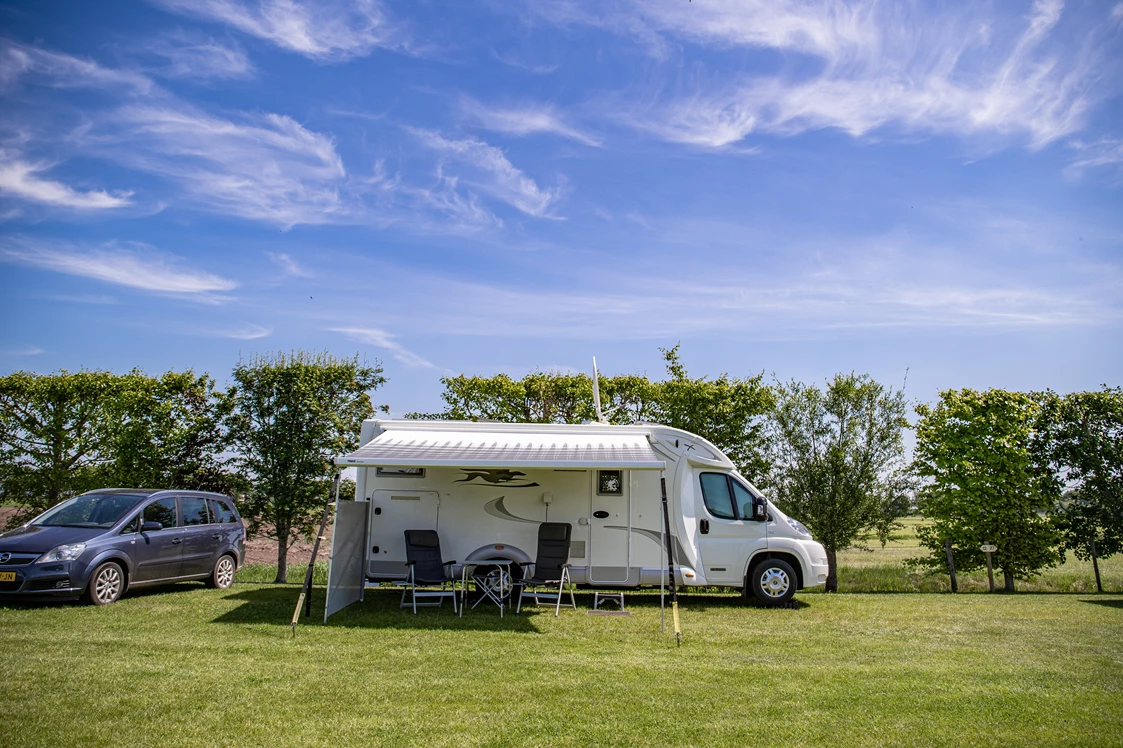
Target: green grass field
point(192, 666)
point(187, 665)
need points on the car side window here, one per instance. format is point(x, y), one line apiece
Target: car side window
point(742, 499)
point(715, 492)
point(194, 511)
point(162, 511)
point(222, 512)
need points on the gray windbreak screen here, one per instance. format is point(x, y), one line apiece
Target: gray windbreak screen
point(345, 574)
point(480, 449)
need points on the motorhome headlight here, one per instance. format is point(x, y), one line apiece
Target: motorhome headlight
point(62, 553)
point(798, 527)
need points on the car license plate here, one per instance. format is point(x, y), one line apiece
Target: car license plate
point(7, 576)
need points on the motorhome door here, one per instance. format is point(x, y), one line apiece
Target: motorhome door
point(610, 527)
point(392, 512)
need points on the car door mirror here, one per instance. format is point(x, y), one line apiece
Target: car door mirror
point(760, 510)
point(151, 526)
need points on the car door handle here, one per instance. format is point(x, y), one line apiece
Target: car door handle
point(176, 541)
point(704, 526)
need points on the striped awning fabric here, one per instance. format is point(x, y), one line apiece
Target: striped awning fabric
point(417, 448)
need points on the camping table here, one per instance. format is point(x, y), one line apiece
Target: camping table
point(492, 589)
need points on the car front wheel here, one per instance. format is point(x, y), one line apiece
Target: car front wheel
point(223, 575)
point(773, 582)
point(106, 584)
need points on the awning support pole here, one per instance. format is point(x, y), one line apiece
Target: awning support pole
point(670, 562)
point(306, 589)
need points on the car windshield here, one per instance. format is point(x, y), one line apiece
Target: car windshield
point(99, 510)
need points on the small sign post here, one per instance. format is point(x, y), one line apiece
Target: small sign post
point(989, 548)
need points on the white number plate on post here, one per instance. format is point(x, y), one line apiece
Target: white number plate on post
point(988, 548)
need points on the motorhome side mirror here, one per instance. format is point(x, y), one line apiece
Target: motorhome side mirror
point(760, 510)
point(151, 526)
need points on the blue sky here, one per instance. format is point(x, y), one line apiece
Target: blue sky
point(476, 187)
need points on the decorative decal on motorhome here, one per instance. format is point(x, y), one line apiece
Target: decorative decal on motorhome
point(496, 509)
point(503, 478)
point(680, 552)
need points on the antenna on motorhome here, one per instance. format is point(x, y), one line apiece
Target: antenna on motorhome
point(596, 393)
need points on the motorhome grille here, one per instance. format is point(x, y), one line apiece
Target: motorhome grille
point(577, 549)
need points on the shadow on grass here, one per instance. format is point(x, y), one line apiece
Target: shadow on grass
point(1106, 603)
point(378, 611)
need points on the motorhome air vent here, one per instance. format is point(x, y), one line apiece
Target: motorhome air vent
point(577, 549)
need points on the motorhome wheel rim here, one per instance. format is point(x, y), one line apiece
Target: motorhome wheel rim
point(107, 584)
point(774, 582)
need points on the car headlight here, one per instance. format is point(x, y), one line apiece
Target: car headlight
point(62, 553)
point(798, 527)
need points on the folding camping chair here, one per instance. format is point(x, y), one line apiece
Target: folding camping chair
point(551, 567)
point(426, 569)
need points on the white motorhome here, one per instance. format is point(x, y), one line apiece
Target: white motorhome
point(485, 487)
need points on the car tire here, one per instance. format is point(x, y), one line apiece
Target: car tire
point(106, 584)
point(773, 582)
point(222, 576)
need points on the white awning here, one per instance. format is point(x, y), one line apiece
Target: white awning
point(443, 448)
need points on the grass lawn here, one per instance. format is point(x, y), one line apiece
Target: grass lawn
point(191, 666)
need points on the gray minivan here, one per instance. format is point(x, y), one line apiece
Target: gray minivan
point(102, 543)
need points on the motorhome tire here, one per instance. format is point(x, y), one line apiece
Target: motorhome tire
point(773, 582)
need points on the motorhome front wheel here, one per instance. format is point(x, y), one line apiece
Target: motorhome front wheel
point(773, 582)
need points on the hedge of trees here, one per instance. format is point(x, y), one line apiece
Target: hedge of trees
point(1037, 474)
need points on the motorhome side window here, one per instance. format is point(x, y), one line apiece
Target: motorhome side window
point(400, 472)
point(715, 492)
point(742, 499)
point(610, 482)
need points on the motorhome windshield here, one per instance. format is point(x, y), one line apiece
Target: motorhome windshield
point(92, 510)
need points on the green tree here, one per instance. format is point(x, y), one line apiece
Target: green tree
point(1079, 437)
point(170, 432)
point(984, 484)
point(728, 411)
point(837, 459)
point(292, 415)
point(55, 438)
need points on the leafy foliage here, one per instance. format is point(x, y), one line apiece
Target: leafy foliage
point(984, 483)
point(54, 436)
point(169, 432)
point(838, 460)
point(728, 411)
point(1080, 438)
point(292, 414)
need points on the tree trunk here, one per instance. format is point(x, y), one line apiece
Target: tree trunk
point(1008, 578)
point(832, 572)
point(282, 556)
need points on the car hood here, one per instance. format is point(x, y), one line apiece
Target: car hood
point(37, 539)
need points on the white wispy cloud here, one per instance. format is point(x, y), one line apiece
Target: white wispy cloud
point(31, 350)
point(21, 61)
point(491, 172)
point(382, 339)
point(961, 70)
point(19, 178)
point(324, 30)
point(136, 266)
point(247, 332)
point(197, 56)
point(288, 265)
point(261, 167)
point(522, 120)
point(1106, 152)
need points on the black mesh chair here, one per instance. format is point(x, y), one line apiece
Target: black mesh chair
point(550, 567)
point(427, 569)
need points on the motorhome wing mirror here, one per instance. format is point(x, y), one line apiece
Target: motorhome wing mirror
point(760, 510)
